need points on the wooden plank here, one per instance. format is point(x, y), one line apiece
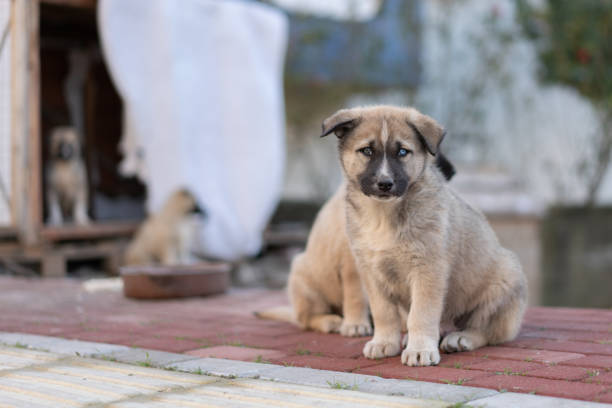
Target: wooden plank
point(72, 3)
point(18, 104)
point(53, 259)
point(34, 185)
point(89, 232)
point(8, 233)
point(26, 154)
point(54, 265)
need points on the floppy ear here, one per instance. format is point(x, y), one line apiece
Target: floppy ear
point(340, 123)
point(445, 166)
point(428, 131)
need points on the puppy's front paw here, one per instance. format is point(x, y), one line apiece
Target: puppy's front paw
point(82, 220)
point(427, 357)
point(380, 349)
point(355, 329)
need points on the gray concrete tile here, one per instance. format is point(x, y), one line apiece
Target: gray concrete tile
point(60, 346)
point(144, 357)
point(223, 368)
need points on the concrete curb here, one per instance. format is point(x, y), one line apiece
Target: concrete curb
point(477, 397)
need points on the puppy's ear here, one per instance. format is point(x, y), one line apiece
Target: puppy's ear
point(340, 123)
point(445, 166)
point(429, 132)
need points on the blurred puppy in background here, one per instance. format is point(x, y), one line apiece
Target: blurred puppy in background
point(66, 178)
point(167, 237)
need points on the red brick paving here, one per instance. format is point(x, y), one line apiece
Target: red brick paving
point(604, 362)
point(524, 354)
point(606, 397)
point(432, 374)
point(505, 366)
point(560, 352)
point(560, 372)
point(599, 377)
point(540, 386)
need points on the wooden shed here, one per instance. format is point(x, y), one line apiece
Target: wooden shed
point(50, 48)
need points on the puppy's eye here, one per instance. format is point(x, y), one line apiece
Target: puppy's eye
point(403, 152)
point(367, 151)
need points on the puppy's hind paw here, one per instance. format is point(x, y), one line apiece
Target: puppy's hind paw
point(377, 349)
point(355, 329)
point(461, 341)
point(327, 323)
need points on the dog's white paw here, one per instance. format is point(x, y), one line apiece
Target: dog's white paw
point(458, 341)
point(355, 329)
point(83, 222)
point(380, 349)
point(425, 357)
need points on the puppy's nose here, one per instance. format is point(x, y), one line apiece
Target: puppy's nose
point(385, 185)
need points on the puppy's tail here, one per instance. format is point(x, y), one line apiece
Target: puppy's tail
point(280, 313)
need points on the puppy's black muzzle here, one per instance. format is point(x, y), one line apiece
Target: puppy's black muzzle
point(199, 211)
point(385, 185)
point(65, 151)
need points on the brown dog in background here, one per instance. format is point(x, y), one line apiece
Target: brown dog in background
point(417, 244)
point(66, 178)
point(324, 288)
point(167, 237)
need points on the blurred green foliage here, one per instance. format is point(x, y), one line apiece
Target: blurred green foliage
point(575, 44)
point(574, 39)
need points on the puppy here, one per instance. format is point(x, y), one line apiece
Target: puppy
point(324, 287)
point(66, 178)
point(417, 244)
point(167, 237)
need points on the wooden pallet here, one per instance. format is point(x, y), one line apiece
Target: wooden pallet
point(104, 243)
point(52, 261)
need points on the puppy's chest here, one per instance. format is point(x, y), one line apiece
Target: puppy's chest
point(369, 229)
point(387, 250)
point(380, 234)
point(66, 176)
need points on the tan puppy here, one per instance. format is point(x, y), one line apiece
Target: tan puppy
point(323, 283)
point(167, 236)
point(324, 287)
point(417, 244)
point(66, 178)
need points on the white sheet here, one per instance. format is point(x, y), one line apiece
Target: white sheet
point(201, 81)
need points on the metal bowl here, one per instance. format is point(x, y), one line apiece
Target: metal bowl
point(162, 282)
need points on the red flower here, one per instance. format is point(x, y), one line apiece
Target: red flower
point(583, 56)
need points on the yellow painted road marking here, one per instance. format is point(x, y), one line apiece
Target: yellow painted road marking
point(39, 395)
point(332, 396)
point(229, 396)
point(144, 373)
point(180, 403)
point(187, 403)
point(27, 356)
point(104, 379)
point(66, 384)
